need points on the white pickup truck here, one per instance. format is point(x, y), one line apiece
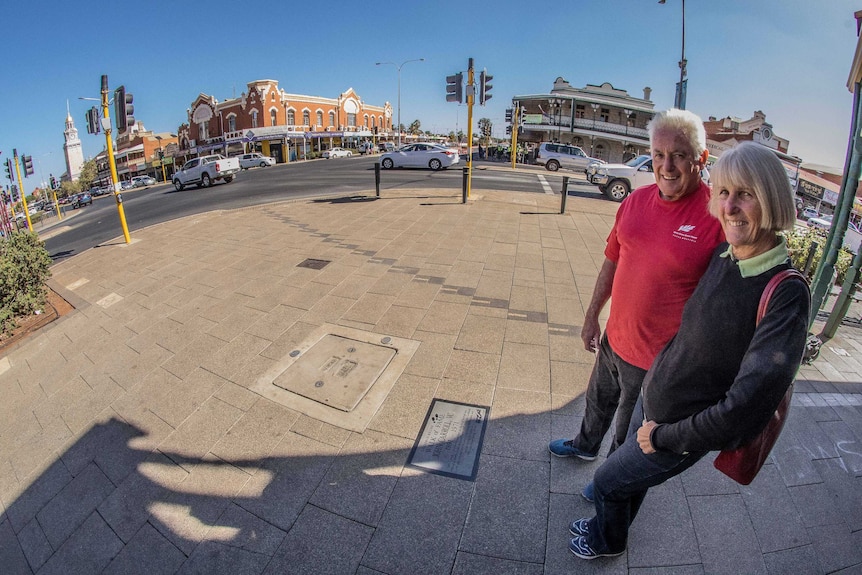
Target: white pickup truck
point(205, 170)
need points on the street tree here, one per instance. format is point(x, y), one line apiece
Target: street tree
point(89, 173)
point(485, 126)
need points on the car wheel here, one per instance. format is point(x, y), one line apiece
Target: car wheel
point(263, 164)
point(228, 179)
point(205, 181)
point(552, 166)
point(178, 185)
point(349, 154)
point(435, 164)
point(617, 190)
point(387, 163)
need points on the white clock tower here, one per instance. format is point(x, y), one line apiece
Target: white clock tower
point(72, 148)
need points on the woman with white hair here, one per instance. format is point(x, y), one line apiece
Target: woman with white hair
point(716, 384)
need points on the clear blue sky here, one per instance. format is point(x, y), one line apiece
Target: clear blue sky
point(788, 58)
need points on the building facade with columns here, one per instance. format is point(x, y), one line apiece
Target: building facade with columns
point(606, 122)
point(280, 124)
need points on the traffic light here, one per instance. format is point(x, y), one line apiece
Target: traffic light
point(93, 126)
point(123, 109)
point(15, 196)
point(455, 88)
point(485, 87)
point(53, 182)
point(28, 165)
point(509, 115)
point(10, 172)
point(508, 130)
point(521, 113)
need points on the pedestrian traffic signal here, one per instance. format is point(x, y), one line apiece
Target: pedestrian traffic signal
point(485, 87)
point(455, 88)
point(10, 172)
point(28, 165)
point(123, 109)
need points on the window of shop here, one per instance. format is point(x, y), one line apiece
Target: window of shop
point(273, 118)
point(332, 119)
point(580, 111)
point(231, 123)
point(319, 118)
point(254, 118)
point(204, 129)
point(306, 118)
point(291, 118)
point(365, 120)
point(373, 122)
point(606, 114)
point(351, 120)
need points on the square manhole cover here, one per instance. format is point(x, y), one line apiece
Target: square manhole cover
point(336, 371)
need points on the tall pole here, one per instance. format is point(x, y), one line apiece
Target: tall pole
point(21, 191)
point(398, 67)
point(111, 162)
point(679, 96)
point(471, 90)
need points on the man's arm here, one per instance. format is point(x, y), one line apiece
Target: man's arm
point(591, 332)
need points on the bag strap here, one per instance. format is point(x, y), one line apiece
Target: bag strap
point(772, 285)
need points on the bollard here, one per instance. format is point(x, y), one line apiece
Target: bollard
point(377, 177)
point(565, 194)
point(466, 172)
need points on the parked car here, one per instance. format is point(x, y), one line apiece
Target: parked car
point(126, 185)
point(337, 153)
point(80, 200)
point(386, 147)
point(420, 156)
point(142, 181)
point(254, 160)
point(556, 156)
point(367, 148)
point(809, 213)
point(205, 170)
point(616, 181)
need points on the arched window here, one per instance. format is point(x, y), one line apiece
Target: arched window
point(601, 152)
point(373, 122)
point(306, 118)
point(291, 118)
point(332, 119)
point(319, 118)
point(254, 118)
point(365, 120)
point(351, 119)
point(231, 123)
point(273, 117)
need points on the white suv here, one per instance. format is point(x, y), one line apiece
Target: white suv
point(616, 181)
point(556, 156)
point(247, 161)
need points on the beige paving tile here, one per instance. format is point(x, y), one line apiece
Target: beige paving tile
point(526, 298)
point(483, 334)
point(400, 321)
point(570, 378)
point(531, 332)
point(405, 407)
point(473, 366)
point(329, 309)
point(369, 308)
point(200, 431)
point(231, 357)
point(444, 317)
point(468, 392)
point(198, 351)
point(525, 367)
point(432, 357)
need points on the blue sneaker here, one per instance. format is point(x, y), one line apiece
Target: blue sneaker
point(566, 448)
point(582, 549)
point(579, 526)
point(589, 492)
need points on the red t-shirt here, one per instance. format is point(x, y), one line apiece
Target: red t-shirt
point(661, 249)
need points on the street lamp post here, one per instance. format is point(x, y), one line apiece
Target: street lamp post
point(595, 106)
point(679, 97)
point(557, 105)
point(398, 67)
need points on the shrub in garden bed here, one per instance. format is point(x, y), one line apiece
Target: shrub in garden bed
point(24, 271)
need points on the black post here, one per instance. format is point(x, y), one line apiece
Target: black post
point(565, 194)
point(809, 259)
point(377, 177)
point(466, 175)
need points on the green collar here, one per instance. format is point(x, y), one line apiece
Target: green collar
point(764, 262)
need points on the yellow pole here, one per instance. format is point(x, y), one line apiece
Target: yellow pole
point(57, 207)
point(22, 192)
point(111, 162)
point(515, 125)
point(470, 99)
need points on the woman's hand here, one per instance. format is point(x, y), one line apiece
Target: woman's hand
point(644, 433)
